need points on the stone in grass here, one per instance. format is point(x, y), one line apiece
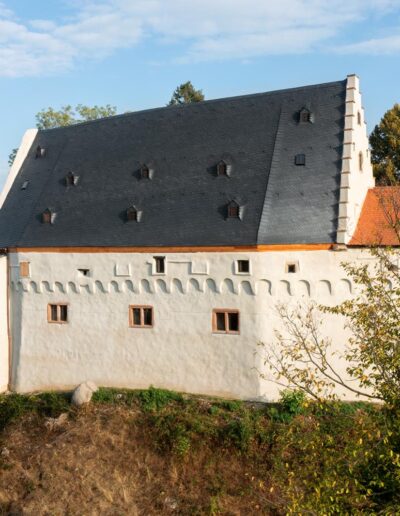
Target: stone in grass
point(83, 393)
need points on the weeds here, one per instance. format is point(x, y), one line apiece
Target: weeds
point(14, 406)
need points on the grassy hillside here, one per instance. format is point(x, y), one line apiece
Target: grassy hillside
point(159, 452)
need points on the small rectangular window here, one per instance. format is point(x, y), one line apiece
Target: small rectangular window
point(300, 159)
point(24, 269)
point(141, 316)
point(225, 321)
point(84, 272)
point(57, 313)
point(291, 268)
point(243, 266)
point(159, 264)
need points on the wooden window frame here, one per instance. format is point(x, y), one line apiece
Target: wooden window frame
point(24, 269)
point(144, 172)
point(238, 265)
point(132, 214)
point(141, 325)
point(58, 305)
point(226, 312)
point(222, 168)
point(159, 259)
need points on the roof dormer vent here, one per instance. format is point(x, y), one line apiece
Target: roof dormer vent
point(223, 168)
point(234, 210)
point(71, 179)
point(306, 116)
point(48, 216)
point(146, 171)
point(40, 152)
point(133, 215)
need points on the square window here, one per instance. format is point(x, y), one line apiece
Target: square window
point(141, 316)
point(243, 266)
point(225, 321)
point(300, 159)
point(57, 313)
point(291, 268)
point(159, 262)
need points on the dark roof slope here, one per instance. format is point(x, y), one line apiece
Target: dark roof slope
point(184, 204)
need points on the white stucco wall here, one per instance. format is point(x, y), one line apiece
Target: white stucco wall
point(180, 352)
point(4, 346)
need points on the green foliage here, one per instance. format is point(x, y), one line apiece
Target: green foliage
point(373, 352)
point(336, 464)
point(385, 147)
point(67, 115)
point(185, 94)
point(12, 156)
point(302, 357)
point(315, 458)
point(115, 396)
point(14, 406)
point(156, 399)
point(293, 401)
point(231, 405)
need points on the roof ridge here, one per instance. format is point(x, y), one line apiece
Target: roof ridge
point(194, 104)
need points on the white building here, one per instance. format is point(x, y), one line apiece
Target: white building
point(151, 247)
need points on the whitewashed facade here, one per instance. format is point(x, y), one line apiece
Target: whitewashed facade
point(180, 351)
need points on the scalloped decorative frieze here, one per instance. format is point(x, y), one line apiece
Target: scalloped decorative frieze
point(228, 286)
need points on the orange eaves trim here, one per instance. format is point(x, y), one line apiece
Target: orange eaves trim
point(379, 222)
point(187, 249)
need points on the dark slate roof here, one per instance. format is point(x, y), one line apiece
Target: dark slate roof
point(184, 203)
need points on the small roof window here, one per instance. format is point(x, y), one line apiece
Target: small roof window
point(306, 116)
point(71, 179)
point(223, 168)
point(145, 172)
point(40, 152)
point(300, 159)
point(133, 214)
point(234, 210)
point(48, 216)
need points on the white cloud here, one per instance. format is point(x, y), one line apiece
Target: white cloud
point(377, 46)
point(207, 29)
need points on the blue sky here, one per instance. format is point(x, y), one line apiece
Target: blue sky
point(133, 53)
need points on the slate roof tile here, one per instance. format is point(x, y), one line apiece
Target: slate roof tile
point(184, 204)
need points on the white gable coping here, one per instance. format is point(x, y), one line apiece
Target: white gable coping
point(354, 182)
point(23, 150)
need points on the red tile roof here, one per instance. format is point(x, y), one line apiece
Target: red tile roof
point(380, 215)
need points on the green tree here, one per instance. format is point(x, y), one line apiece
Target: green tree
point(385, 147)
point(302, 358)
point(185, 94)
point(67, 115)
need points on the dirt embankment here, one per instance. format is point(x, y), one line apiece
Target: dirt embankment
point(113, 459)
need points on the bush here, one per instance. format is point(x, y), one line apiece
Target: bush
point(156, 399)
point(48, 404)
